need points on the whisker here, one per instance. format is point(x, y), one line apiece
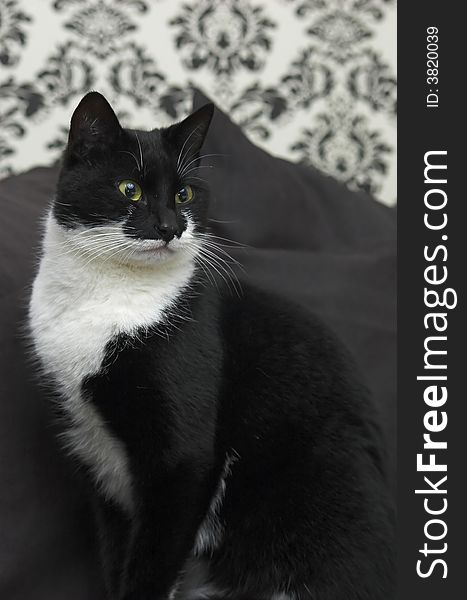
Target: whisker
point(221, 260)
point(200, 263)
point(134, 157)
point(190, 177)
point(140, 153)
point(231, 280)
point(219, 221)
point(185, 173)
point(184, 144)
point(102, 253)
point(98, 246)
point(210, 264)
point(222, 268)
point(201, 158)
point(222, 251)
point(218, 237)
point(90, 230)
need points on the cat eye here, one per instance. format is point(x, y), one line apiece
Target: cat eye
point(130, 189)
point(184, 195)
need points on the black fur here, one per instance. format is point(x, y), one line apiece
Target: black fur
point(306, 510)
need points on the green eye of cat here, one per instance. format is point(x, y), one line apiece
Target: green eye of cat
point(184, 195)
point(130, 189)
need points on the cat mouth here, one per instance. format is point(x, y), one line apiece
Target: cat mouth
point(157, 249)
point(150, 249)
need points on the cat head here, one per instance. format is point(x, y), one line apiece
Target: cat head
point(129, 195)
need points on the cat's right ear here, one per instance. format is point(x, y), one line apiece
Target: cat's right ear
point(188, 135)
point(94, 127)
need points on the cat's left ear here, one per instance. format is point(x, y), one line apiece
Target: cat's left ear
point(189, 135)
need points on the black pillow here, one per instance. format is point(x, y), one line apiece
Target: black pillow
point(46, 549)
point(315, 241)
point(327, 248)
point(278, 204)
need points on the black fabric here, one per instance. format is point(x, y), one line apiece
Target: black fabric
point(309, 238)
point(46, 537)
point(278, 204)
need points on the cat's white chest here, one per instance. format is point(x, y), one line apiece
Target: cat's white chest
point(75, 311)
point(75, 316)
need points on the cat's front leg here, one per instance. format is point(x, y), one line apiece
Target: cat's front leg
point(168, 516)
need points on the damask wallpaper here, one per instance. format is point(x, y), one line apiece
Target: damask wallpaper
point(309, 80)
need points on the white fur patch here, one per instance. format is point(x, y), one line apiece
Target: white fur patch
point(211, 530)
point(84, 295)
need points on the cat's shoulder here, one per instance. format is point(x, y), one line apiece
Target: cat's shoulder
point(257, 311)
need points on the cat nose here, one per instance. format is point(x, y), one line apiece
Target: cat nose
point(166, 231)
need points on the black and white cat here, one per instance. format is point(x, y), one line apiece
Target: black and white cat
point(232, 453)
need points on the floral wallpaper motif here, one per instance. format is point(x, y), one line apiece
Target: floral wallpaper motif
point(309, 80)
point(224, 36)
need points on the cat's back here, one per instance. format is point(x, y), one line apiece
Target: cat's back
point(286, 368)
point(267, 330)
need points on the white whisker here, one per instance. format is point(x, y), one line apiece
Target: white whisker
point(179, 160)
point(134, 157)
point(219, 221)
point(218, 237)
point(199, 158)
point(140, 153)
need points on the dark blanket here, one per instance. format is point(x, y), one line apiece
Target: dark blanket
point(309, 238)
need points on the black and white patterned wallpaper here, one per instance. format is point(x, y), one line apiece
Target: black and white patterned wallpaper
point(309, 80)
